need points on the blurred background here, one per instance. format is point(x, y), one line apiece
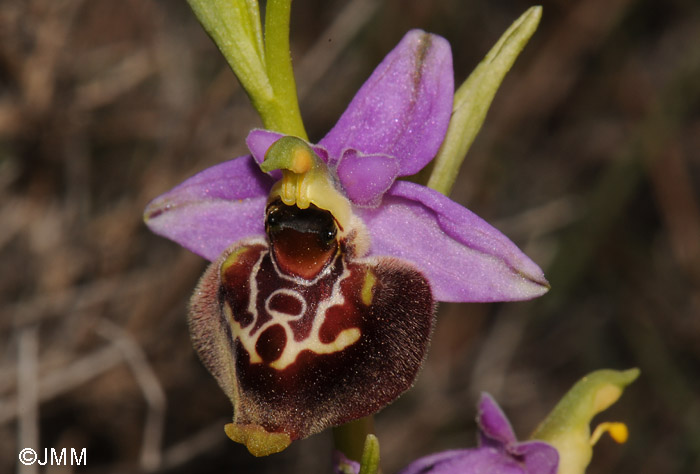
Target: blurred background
point(588, 160)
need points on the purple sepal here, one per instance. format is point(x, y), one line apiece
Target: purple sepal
point(494, 427)
point(465, 461)
point(404, 107)
point(499, 452)
point(464, 258)
point(495, 431)
point(214, 208)
point(365, 178)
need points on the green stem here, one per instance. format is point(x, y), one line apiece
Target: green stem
point(284, 115)
point(350, 437)
point(263, 66)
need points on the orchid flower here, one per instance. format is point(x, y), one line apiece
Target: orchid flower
point(562, 444)
point(319, 303)
point(393, 127)
point(498, 450)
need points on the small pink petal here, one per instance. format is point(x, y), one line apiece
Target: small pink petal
point(365, 178)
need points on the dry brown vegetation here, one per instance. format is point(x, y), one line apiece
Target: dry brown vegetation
point(589, 160)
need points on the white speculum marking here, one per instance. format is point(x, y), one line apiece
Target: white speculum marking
point(292, 347)
point(280, 314)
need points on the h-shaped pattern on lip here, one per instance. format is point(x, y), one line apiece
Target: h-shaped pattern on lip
point(286, 308)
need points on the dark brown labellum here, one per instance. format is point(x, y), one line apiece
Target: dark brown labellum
point(301, 336)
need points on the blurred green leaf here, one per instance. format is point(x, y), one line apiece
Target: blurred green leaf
point(473, 99)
